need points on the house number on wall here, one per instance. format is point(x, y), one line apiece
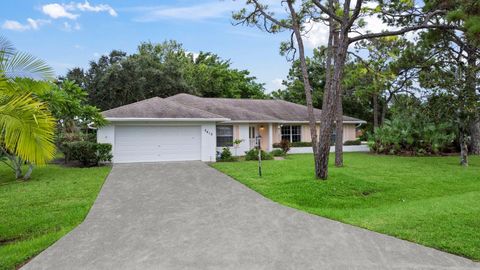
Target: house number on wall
point(209, 132)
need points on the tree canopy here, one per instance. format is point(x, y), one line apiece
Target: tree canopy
point(162, 70)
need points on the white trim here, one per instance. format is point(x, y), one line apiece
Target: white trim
point(287, 122)
point(223, 120)
point(136, 119)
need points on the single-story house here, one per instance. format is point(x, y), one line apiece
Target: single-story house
point(186, 127)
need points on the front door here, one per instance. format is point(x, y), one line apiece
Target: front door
point(251, 136)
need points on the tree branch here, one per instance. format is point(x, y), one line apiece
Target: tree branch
point(259, 8)
point(356, 12)
point(327, 11)
point(399, 32)
point(423, 25)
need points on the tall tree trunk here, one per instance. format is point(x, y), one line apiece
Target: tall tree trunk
point(329, 108)
point(475, 138)
point(307, 87)
point(471, 83)
point(384, 112)
point(463, 149)
point(339, 130)
point(468, 105)
point(375, 111)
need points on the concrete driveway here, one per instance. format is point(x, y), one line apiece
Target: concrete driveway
point(186, 215)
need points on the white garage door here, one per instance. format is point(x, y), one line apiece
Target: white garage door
point(157, 143)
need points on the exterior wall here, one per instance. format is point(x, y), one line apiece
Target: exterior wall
point(240, 132)
point(209, 142)
point(306, 136)
point(106, 134)
point(349, 133)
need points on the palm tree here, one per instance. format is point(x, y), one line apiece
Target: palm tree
point(26, 125)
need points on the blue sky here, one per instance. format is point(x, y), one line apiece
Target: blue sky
point(67, 34)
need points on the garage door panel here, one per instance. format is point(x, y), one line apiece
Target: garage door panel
point(157, 143)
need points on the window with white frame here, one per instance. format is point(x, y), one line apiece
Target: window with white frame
point(291, 133)
point(224, 136)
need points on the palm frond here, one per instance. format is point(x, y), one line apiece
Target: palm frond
point(27, 128)
point(6, 47)
point(25, 65)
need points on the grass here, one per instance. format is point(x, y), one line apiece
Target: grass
point(428, 200)
point(36, 213)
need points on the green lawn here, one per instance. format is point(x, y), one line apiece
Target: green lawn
point(36, 213)
point(429, 200)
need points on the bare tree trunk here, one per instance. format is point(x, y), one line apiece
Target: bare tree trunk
point(307, 87)
point(463, 149)
point(468, 103)
point(475, 138)
point(384, 113)
point(375, 111)
point(329, 108)
point(339, 130)
point(471, 83)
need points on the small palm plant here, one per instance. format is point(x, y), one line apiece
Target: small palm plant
point(26, 125)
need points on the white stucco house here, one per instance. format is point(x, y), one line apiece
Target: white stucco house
point(186, 127)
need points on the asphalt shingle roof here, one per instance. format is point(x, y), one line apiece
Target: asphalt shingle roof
point(157, 108)
point(259, 109)
point(188, 106)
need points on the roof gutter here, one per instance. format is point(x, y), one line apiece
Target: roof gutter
point(137, 119)
point(286, 122)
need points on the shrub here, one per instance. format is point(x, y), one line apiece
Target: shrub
point(411, 135)
point(87, 153)
point(285, 146)
point(293, 144)
point(353, 142)
point(252, 154)
point(226, 155)
point(277, 153)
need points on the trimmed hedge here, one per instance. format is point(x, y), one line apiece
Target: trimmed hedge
point(355, 142)
point(294, 144)
point(87, 153)
point(278, 153)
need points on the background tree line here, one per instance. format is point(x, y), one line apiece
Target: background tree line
point(163, 70)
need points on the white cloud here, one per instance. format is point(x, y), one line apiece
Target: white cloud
point(98, 8)
point(30, 25)
point(57, 11)
point(71, 27)
point(210, 10)
point(316, 34)
point(14, 25)
point(277, 83)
